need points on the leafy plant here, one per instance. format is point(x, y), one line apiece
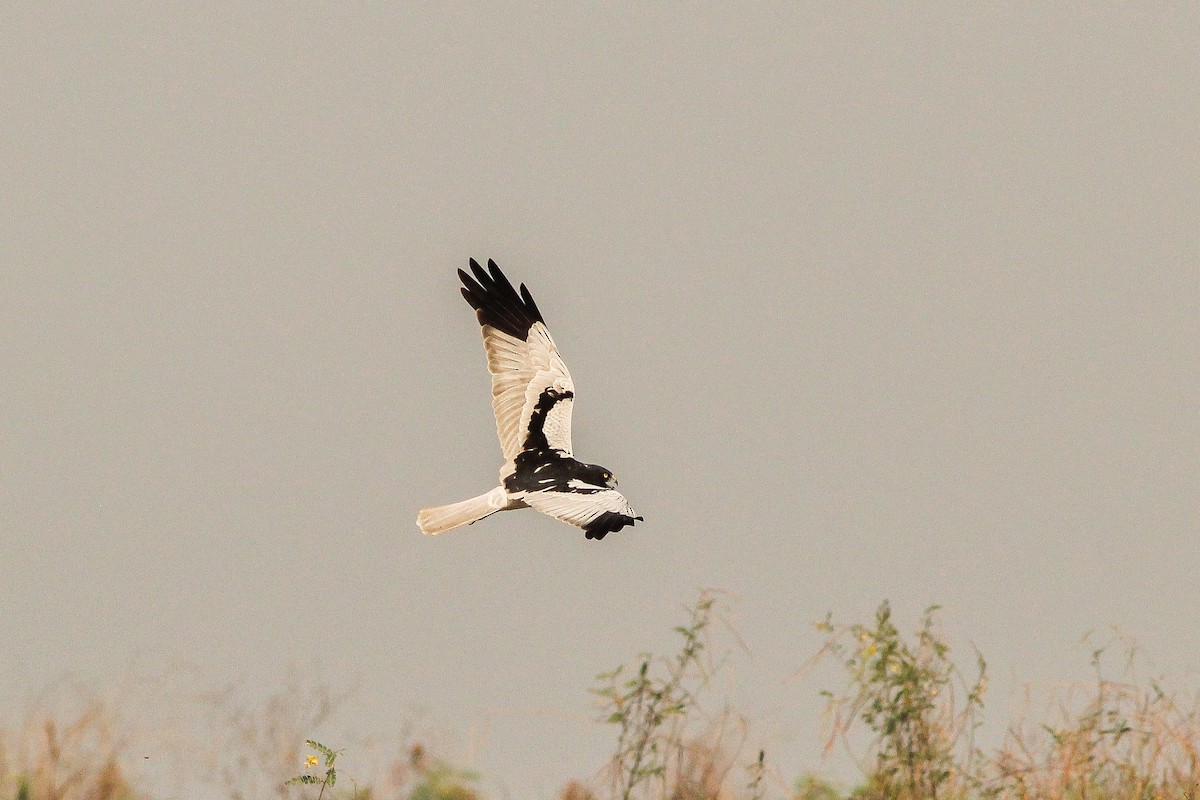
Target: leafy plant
point(758, 771)
point(255, 746)
point(904, 691)
point(812, 787)
point(1122, 739)
point(325, 781)
point(650, 706)
point(440, 780)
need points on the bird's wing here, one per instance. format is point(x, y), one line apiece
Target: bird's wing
point(598, 511)
point(532, 392)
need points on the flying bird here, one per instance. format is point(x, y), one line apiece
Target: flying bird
point(532, 397)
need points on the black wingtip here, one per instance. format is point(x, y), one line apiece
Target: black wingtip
point(606, 523)
point(480, 274)
point(496, 302)
point(528, 299)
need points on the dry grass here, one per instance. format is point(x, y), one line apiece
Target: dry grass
point(254, 750)
point(1122, 738)
point(73, 746)
point(1107, 739)
point(76, 758)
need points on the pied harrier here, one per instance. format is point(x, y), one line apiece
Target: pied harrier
point(532, 395)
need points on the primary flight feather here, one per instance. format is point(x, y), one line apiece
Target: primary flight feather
point(532, 397)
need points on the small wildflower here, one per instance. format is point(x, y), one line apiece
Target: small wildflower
point(310, 761)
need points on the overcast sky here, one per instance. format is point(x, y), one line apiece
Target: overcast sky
point(859, 304)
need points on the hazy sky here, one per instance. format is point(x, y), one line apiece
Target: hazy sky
point(859, 304)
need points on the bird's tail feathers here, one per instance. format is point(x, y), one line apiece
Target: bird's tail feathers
point(447, 518)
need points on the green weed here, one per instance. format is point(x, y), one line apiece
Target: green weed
point(327, 780)
point(905, 691)
point(647, 705)
point(905, 709)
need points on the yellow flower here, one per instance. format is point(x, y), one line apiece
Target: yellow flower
point(311, 761)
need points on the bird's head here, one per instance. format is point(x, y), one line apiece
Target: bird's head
point(602, 477)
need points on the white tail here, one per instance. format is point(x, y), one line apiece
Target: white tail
point(455, 515)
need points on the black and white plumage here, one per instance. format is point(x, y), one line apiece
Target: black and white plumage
point(532, 397)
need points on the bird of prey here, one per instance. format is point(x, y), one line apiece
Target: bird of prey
point(532, 395)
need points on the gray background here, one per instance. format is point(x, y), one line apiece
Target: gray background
point(860, 303)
